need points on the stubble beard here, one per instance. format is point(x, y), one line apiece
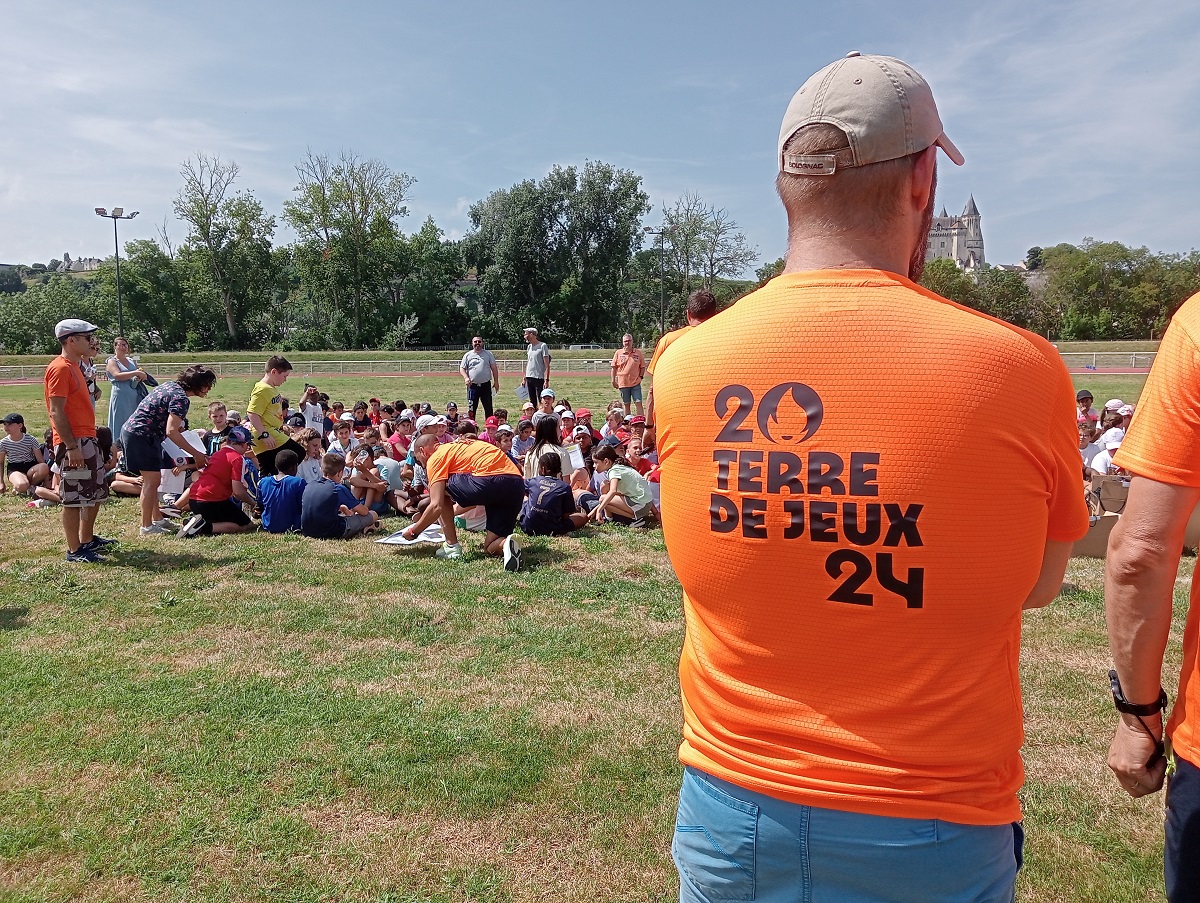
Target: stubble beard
point(916, 264)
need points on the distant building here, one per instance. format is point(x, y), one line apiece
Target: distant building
point(957, 238)
point(78, 265)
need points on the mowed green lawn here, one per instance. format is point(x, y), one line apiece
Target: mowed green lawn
point(272, 718)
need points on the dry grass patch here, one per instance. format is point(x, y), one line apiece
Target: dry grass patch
point(535, 847)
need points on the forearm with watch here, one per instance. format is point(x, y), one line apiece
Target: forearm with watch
point(62, 426)
point(260, 430)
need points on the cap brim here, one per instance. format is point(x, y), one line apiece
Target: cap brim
point(952, 152)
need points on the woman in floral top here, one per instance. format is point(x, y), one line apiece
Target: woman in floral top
point(161, 415)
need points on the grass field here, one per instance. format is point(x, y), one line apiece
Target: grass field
point(269, 718)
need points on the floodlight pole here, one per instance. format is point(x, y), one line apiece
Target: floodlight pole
point(117, 213)
point(662, 307)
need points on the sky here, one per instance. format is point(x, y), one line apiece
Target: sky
point(1077, 119)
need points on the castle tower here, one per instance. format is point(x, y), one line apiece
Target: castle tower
point(972, 256)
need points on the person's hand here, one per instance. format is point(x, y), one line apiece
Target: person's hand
point(75, 456)
point(614, 382)
point(139, 373)
point(269, 442)
point(1130, 750)
point(201, 458)
point(409, 532)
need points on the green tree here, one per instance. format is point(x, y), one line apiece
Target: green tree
point(229, 240)
point(10, 280)
point(769, 271)
point(557, 252)
point(27, 318)
point(345, 212)
point(1005, 294)
point(1033, 258)
point(943, 277)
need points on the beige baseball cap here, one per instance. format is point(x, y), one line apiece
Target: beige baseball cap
point(882, 104)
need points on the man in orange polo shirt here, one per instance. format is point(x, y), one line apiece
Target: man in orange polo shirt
point(470, 472)
point(628, 371)
point(1160, 450)
point(853, 723)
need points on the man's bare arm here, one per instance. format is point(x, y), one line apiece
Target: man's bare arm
point(1139, 584)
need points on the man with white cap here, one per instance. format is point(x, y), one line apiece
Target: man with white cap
point(537, 367)
point(76, 452)
point(852, 728)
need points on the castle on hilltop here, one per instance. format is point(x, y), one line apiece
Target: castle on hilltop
point(957, 238)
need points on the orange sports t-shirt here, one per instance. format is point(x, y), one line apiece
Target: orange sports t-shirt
point(1163, 444)
point(855, 532)
point(477, 458)
point(663, 344)
point(64, 380)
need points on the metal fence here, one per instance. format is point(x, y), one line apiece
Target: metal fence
point(168, 369)
point(1102, 361)
point(1109, 360)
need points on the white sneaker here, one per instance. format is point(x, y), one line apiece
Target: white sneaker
point(191, 527)
point(449, 552)
point(512, 554)
point(154, 529)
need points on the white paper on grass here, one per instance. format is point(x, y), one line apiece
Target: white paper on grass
point(175, 484)
point(432, 533)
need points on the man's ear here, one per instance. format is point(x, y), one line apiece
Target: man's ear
point(922, 178)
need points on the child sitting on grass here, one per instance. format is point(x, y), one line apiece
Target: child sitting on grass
point(330, 510)
point(21, 459)
point(217, 496)
point(627, 497)
point(365, 480)
point(549, 509)
point(309, 469)
point(281, 495)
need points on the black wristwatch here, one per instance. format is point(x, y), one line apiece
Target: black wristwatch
point(264, 435)
point(1124, 705)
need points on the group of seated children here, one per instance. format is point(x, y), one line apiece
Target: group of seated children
point(358, 467)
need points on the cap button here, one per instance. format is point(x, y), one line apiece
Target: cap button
point(853, 53)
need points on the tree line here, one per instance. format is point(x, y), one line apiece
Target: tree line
point(1098, 290)
point(568, 252)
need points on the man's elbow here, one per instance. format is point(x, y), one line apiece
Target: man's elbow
point(1133, 557)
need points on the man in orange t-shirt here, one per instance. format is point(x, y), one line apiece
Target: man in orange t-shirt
point(470, 472)
point(701, 306)
point(1162, 451)
point(852, 593)
point(81, 464)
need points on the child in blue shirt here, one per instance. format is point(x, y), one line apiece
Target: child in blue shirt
point(281, 495)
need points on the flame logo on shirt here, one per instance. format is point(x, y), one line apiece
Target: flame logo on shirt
point(773, 409)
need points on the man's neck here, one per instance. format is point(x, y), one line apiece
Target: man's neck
point(72, 357)
point(813, 250)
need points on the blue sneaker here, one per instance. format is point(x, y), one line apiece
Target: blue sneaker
point(84, 555)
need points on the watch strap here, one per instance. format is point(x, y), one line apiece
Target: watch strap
point(1131, 708)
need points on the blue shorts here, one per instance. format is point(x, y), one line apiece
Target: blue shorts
point(630, 394)
point(1183, 832)
point(735, 844)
